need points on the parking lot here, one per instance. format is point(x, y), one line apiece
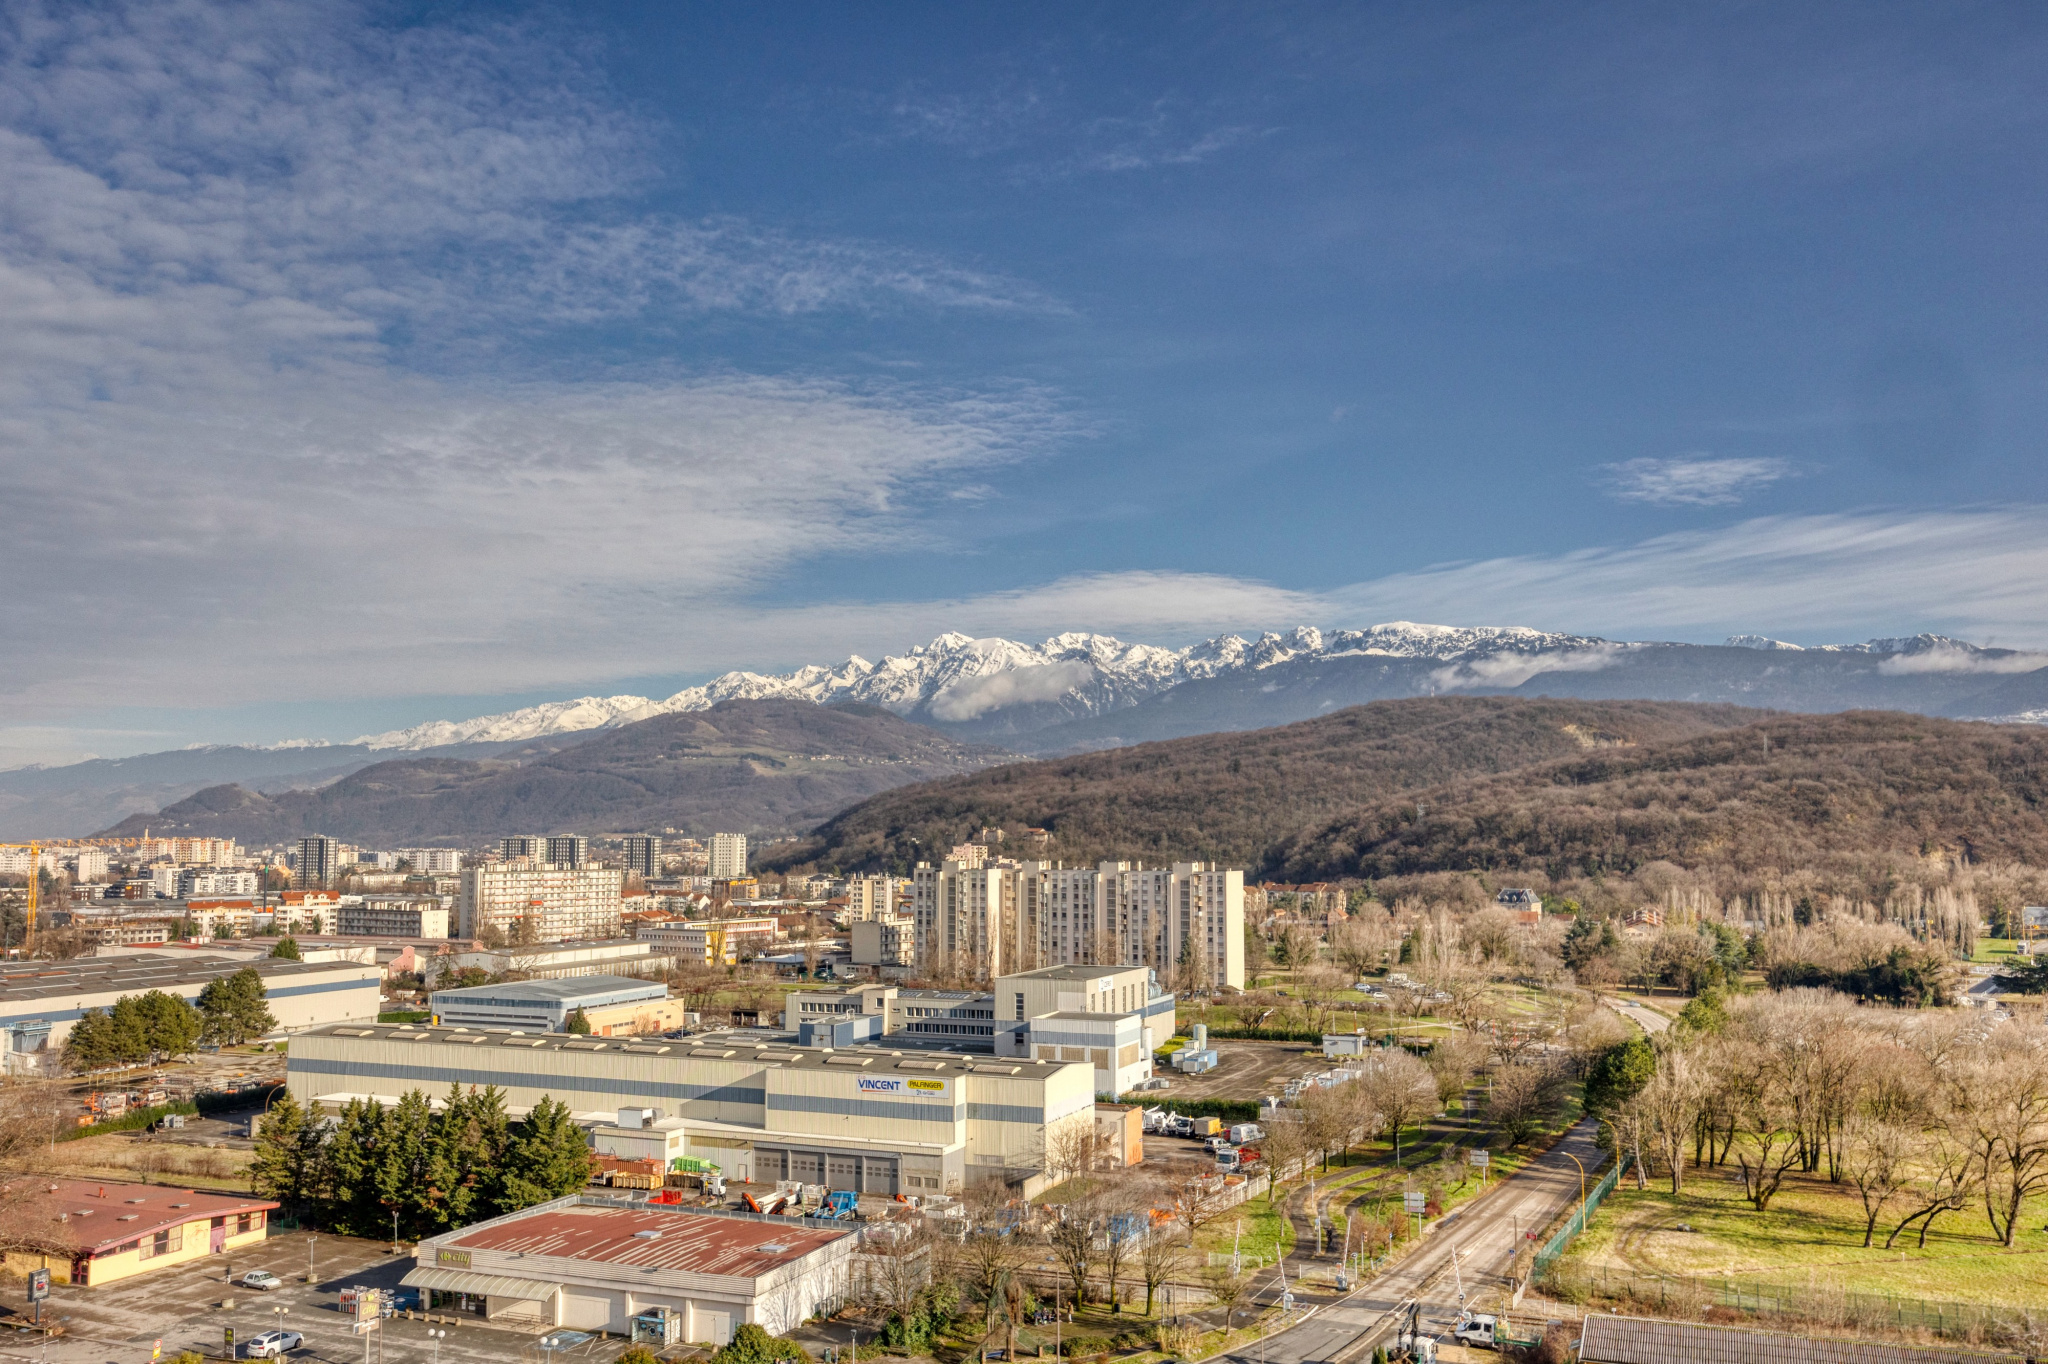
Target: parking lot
point(1244, 1070)
point(121, 1323)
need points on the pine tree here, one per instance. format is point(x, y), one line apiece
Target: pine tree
point(578, 1022)
point(547, 1158)
point(349, 1173)
point(287, 947)
point(234, 1008)
point(402, 1176)
point(282, 1169)
point(170, 1026)
point(91, 1041)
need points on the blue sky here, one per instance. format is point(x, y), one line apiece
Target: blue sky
point(370, 364)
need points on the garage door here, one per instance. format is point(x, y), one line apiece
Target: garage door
point(878, 1175)
point(807, 1166)
point(845, 1172)
point(770, 1166)
point(586, 1314)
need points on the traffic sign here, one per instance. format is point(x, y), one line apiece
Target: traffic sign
point(1412, 1201)
point(227, 1340)
point(1480, 1158)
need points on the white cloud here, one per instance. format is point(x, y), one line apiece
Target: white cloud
point(977, 695)
point(1512, 669)
point(1691, 480)
point(1947, 659)
point(262, 266)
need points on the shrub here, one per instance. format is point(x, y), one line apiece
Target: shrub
point(753, 1345)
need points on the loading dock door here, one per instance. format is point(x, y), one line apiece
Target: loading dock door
point(807, 1166)
point(878, 1175)
point(845, 1172)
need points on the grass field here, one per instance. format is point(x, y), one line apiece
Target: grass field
point(1812, 1233)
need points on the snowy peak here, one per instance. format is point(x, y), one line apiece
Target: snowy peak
point(957, 678)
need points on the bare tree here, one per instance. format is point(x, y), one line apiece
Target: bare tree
point(1161, 1259)
point(1673, 1100)
point(1198, 1200)
point(1875, 1158)
point(1402, 1089)
point(1523, 1095)
point(1073, 1243)
point(1452, 1062)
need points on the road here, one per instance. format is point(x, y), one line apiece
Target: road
point(1642, 1015)
point(1485, 1235)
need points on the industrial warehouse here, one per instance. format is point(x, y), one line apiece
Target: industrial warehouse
point(39, 1001)
point(667, 1275)
point(875, 1120)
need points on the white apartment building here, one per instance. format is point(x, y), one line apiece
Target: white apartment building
point(194, 884)
point(870, 897)
point(966, 919)
point(887, 941)
point(392, 916)
point(435, 861)
point(18, 862)
point(1186, 922)
point(560, 902)
point(87, 863)
point(728, 856)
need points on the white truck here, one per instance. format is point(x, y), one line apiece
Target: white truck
point(1477, 1329)
point(1242, 1132)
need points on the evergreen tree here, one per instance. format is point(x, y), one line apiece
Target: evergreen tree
point(404, 1154)
point(578, 1022)
point(234, 1009)
point(349, 1173)
point(1619, 1074)
point(90, 1044)
point(287, 947)
point(466, 1165)
point(170, 1026)
point(547, 1158)
point(284, 1167)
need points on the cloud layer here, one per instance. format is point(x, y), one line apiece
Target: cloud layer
point(1692, 480)
point(275, 276)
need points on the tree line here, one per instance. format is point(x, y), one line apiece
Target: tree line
point(147, 1028)
point(1923, 1114)
point(435, 1169)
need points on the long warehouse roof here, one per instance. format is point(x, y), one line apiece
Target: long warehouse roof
point(129, 975)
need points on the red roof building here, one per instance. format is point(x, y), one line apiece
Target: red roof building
point(92, 1233)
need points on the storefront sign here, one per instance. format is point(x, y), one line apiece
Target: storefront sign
point(896, 1084)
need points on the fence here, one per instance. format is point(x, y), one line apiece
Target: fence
point(1576, 1223)
point(1816, 1303)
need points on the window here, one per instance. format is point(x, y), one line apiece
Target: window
point(163, 1243)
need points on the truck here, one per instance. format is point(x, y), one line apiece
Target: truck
point(1242, 1132)
point(1207, 1127)
point(1178, 1125)
point(1227, 1159)
point(1477, 1329)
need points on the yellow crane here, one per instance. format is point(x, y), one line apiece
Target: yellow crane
point(35, 874)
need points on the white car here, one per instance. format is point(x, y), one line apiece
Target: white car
point(260, 1279)
point(271, 1344)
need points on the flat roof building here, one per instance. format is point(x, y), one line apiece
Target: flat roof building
point(760, 1109)
point(40, 1001)
point(544, 1005)
point(594, 1264)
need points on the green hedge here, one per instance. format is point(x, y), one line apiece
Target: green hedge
point(1265, 1035)
point(134, 1120)
point(404, 1016)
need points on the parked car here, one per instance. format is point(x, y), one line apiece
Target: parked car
point(262, 1280)
point(271, 1344)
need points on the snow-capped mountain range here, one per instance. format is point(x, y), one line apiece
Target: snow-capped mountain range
point(958, 678)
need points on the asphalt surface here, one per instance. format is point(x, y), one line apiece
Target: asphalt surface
point(1642, 1015)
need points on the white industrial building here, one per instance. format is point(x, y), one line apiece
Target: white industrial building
point(595, 1264)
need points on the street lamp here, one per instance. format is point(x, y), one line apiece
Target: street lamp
point(1582, 1187)
point(311, 1237)
point(437, 1337)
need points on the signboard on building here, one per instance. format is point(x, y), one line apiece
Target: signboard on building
point(903, 1086)
point(458, 1258)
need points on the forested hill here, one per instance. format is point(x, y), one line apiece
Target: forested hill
point(1234, 797)
point(1814, 791)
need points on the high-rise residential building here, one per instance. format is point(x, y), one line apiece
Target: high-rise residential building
point(319, 859)
point(568, 850)
point(643, 856)
point(436, 861)
point(557, 903)
point(522, 845)
point(728, 856)
point(1186, 922)
point(870, 897)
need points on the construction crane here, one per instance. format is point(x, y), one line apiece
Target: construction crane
point(35, 873)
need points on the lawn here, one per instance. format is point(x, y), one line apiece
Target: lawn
point(1995, 951)
point(1258, 1232)
point(1813, 1232)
